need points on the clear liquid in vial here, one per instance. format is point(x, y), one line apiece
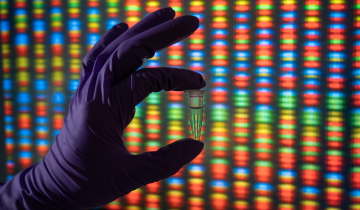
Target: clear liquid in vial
point(196, 114)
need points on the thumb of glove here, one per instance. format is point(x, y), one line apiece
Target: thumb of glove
point(151, 167)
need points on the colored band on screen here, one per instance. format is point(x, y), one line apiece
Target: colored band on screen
point(241, 119)
point(355, 111)
point(311, 144)
point(288, 106)
point(263, 168)
point(219, 118)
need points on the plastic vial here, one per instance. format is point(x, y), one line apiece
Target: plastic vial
point(196, 111)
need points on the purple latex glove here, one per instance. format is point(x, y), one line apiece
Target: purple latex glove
point(88, 164)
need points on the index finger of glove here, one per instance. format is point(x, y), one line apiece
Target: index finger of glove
point(130, 54)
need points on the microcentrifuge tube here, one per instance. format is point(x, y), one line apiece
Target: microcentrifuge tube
point(196, 111)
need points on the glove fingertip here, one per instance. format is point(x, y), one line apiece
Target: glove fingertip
point(189, 150)
point(123, 25)
point(166, 12)
point(195, 21)
point(203, 82)
point(201, 144)
point(169, 10)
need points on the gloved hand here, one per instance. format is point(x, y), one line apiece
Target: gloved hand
point(88, 164)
